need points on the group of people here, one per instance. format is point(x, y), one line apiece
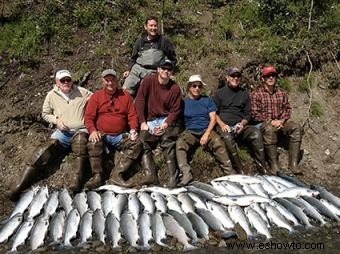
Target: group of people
point(150, 111)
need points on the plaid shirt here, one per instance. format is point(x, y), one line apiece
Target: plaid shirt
point(270, 106)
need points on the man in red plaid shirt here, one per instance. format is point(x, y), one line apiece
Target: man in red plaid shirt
point(271, 110)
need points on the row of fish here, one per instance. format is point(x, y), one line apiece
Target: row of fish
point(112, 213)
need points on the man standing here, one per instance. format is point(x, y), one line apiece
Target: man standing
point(111, 119)
point(64, 107)
point(148, 51)
point(233, 108)
point(158, 105)
point(199, 118)
point(271, 110)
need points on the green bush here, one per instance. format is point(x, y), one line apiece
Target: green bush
point(316, 109)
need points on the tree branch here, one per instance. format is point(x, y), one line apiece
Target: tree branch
point(310, 14)
point(309, 90)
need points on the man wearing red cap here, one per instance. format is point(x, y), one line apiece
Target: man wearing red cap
point(271, 111)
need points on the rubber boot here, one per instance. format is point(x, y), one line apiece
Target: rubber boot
point(271, 152)
point(172, 170)
point(122, 165)
point(41, 156)
point(232, 152)
point(95, 157)
point(150, 172)
point(183, 145)
point(293, 157)
point(79, 147)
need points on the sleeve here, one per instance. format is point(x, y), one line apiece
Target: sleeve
point(141, 98)
point(132, 114)
point(134, 54)
point(169, 50)
point(286, 108)
point(211, 105)
point(247, 108)
point(175, 111)
point(91, 114)
point(256, 106)
point(48, 111)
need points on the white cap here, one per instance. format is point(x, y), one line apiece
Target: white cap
point(62, 74)
point(196, 78)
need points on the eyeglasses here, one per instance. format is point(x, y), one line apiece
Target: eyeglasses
point(196, 86)
point(166, 68)
point(68, 80)
point(235, 76)
point(270, 76)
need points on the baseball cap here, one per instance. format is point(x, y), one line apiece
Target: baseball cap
point(233, 71)
point(196, 78)
point(166, 62)
point(268, 70)
point(62, 74)
point(109, 72)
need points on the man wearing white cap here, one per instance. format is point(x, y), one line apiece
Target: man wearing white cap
point(199, 114)
point(112, 120)
point(64, 107)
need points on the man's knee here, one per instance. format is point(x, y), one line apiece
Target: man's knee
point(95, 149)
point(79, 143)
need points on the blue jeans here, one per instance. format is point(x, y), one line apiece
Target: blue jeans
point(65, 137)
point(156, 123)
point(113, 141)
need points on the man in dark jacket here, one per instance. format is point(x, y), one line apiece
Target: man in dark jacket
point(233, 109)
point(147, 53)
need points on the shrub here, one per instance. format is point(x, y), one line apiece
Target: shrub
point(316, 109)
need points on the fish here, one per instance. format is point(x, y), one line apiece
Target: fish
point(237, 215)
point(198, 201)
point(277, 218)
point(38, 233)
point(10, 226)
point(98, 225)
point(146, 201)
point(241, 200)
point(257, 222)
point(220, 187)
point(210, 219)
point(129, 228)
point(134, 205)
point(65, 201)
point(241, 179)
point(321, 208)
point(297, 211)
point(22, 234)
point(206, 187)
point(24, 201)
point(331, 207)
point(175, 230)
point(233, 188)
point(308, 209)
point(173, 203)
point(221, 214)
point(52, 204)
point(198, 224)
point(121, 203)
point(80, 202)
point(285, 213)
point(116, 189)
point(260, 211)
point(295, 192)
point(85, 227)
point(145, 231)
point(112, 229)
point(268, 186)
point(71, 226)
point(160, 202)
point(164, 191)
point(38, 202)
point(291, 179)
point(184, 221)
point(259, 190)
point(248, 189)
point(158, 229)
point(278, 181)
point(108, 198)
point(56, 227)
point(94, 200)
point(334, 200)
point(203, 193)
point(187, 203)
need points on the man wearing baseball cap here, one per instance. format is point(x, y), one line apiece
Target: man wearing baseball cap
point(199, 114)
point(271, 110)
point(111, 120)
point(64, 107)
point(158, 105)
point(233, 116)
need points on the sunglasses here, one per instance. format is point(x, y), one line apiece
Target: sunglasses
point(166, 68)
point(68, 80)
point(235, 75)
point(270, 76)
point(196, 86)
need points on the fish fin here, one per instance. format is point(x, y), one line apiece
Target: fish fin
point(189, 247)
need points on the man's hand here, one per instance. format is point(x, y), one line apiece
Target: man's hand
point(61, 126)
point(277, 123)
point(126, 73)
point(144, 126)
point(225, 127)
point(95, 137)
point(204, 138)
point(133, 135)
point(239, 128)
